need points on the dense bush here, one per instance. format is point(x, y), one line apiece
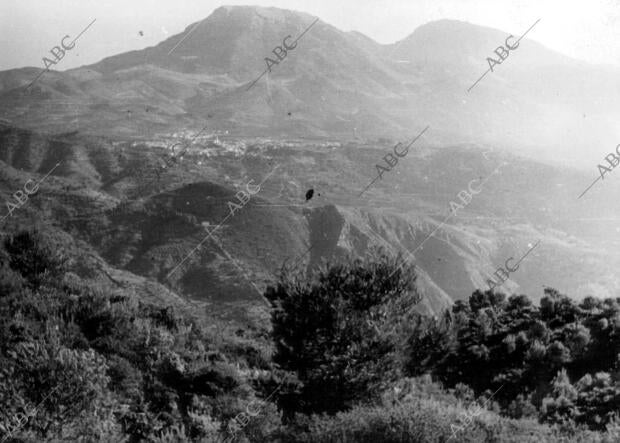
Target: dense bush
point(79, 364)
point(427, 421)
point(323, 330)
point(85, 364)
point(419, 410)
point(530, 354)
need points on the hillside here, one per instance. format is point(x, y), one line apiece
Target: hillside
point(330, 366)
point(109, 196)
point(191, 237)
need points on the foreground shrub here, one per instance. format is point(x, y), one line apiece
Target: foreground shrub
point(428, 421)
point(321, 330)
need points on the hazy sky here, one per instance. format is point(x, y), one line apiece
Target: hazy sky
point(584, 29)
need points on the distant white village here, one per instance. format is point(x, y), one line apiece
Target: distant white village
point(222, 142)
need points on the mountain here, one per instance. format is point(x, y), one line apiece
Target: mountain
point(171, 187)
point(144, 226)
point(339, 84)
point(324, 118)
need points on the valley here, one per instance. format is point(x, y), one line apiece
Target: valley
point(142, 219)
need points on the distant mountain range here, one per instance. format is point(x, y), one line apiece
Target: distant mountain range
point(339, 84)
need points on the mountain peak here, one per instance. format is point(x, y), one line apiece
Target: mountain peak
point(266, 12)
point(228, 42)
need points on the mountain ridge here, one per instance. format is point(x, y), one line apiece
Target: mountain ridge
point(334, 83)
